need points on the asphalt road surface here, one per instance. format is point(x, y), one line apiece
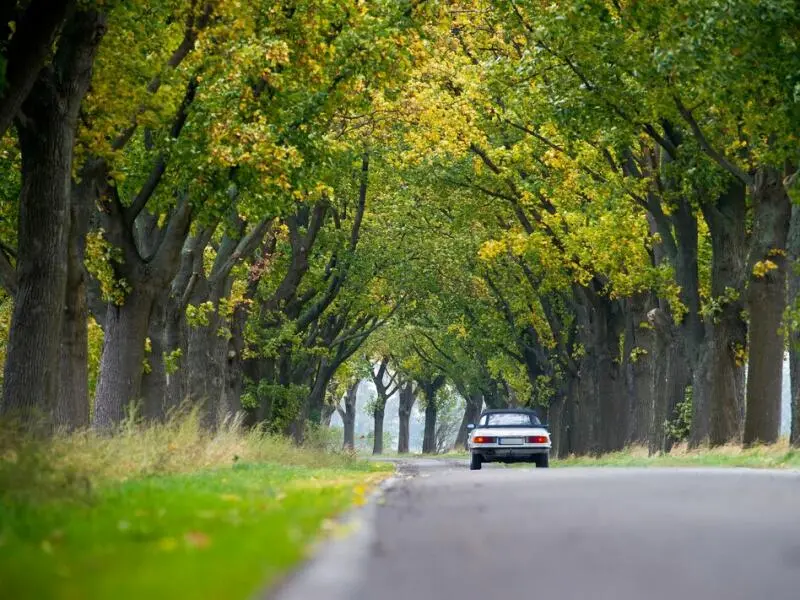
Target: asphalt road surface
point(445, 532)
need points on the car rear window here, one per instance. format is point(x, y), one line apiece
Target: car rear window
point(509, 419)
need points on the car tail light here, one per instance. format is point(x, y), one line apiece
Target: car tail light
point(482, 439)
point(538, 439)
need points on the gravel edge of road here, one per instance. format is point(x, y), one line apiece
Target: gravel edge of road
point(332, 568)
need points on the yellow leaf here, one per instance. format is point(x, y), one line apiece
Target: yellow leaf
point(167, 544)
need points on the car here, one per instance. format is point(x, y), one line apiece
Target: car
point(509, 435)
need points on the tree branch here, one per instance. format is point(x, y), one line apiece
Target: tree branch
point(720, 158)
point(28, 51)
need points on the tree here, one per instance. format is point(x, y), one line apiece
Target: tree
point(46, 130)
point(386, 385)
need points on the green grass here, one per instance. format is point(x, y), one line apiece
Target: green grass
point(206, 525)
point(775, 456)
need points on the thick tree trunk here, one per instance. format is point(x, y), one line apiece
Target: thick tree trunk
point(127, 325)
point(429, 435)
point(472, 411)
point(175, 341)
point(28, 52)
point(564, 443)
point(794, 334)
point(766, 302)
point(231, 403)
point(205, 366)
point(72, 405)
point(429, 390)
point(154, 379)
point(122, 361)
point(46, 136)
point(718, 386)
point(349, 417)
point(406, 404)
point(638, 365)
point(72, 409)
point(670, 378)
point(377, 424)
point(602, 410)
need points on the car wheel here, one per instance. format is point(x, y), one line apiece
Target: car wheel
point(475, 462)
point(542, 461)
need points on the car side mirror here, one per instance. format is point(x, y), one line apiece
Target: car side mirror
point(470, 427)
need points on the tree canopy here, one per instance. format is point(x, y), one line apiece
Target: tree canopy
point(584, 207)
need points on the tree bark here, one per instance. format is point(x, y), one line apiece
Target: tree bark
point(154, 380)
point(638, 365)
point(429, 434)
point(718, 386)
point(377, 428)
point(794, 333)
point(28, 52)
point(127, 325)
point(72, 410)
point(121, 364)
point(671, 377)
point(46, 133)
point(766, 303)
point(429, 389)
point(472, 411)
point(349, 416)
point(406, 404)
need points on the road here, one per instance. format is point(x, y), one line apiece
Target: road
point(445, 532)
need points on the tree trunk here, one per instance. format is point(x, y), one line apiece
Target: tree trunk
point(472, 411)
point(122, 360)
point(638, 365)
point(377, 417)
point(30, 47)
point(429, 389)
point(406, 404)
point(719, 378)
point(46, 136)
point(766, 302)
point(127, 325)
point(327, 415)
point(670, 378)
point(349, 417)
point(794, 333)
point(72, 410)
point(175, 342)
point(72, 405)
point(154, 379)
point(429, 436)
point(231, 403)
point(205, 366)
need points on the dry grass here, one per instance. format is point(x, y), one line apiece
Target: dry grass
point(82, 460)
point(776, 456)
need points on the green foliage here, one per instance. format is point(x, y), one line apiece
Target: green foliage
point(102, 259)
point(6, 308)
point(680, 426)
point(172, 361)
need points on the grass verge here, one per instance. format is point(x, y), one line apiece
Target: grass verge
point(774, 456)
point(165, 512)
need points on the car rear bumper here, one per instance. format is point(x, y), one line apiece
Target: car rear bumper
point(501, 453)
